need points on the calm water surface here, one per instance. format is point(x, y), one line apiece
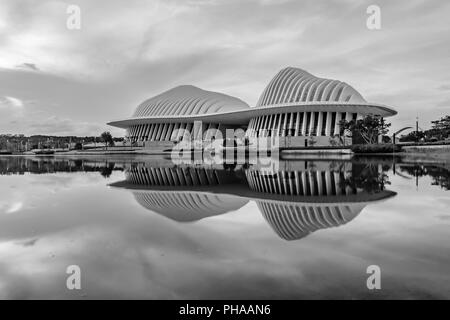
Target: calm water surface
point(145, 228)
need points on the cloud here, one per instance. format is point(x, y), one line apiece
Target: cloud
point(444, 87)
point(28, 66)
point(125, 54)
point(7, 101)
point(54, 125)
point(444, 104)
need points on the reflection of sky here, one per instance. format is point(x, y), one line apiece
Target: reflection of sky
point(48, 222)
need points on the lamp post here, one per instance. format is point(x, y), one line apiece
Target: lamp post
point(417, 129)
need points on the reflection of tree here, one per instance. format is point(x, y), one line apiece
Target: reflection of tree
point(439, 175)
point(21, 165)
point(367, 177)
point(107, 169)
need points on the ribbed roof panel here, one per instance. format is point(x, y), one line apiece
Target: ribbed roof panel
point(188, 100)
point(294, 85)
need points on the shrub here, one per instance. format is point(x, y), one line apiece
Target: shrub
point(376, 148)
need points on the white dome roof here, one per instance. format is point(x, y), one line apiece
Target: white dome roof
point(188, 206)
point(294, 85)
point(188, 100)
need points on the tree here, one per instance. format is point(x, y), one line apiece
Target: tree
point(440, 129)
point(368, 128)
point(107, 138)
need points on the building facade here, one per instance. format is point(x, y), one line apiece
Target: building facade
point(296, 107)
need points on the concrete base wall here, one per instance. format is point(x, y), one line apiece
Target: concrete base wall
point(157, 146)
point(299, 142)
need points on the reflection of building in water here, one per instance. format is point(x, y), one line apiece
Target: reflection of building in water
point(46, 165)
point(294, 220)
point(296, 200)
point(301, 183)
point(330, 196)
point(439, 173)
point(188, 206)
point(184, 205)
point(179, 176)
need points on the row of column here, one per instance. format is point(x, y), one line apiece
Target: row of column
point(282, 124)
point(299, 124)
point(172, 176)
point(303, 183)
point(170, 131)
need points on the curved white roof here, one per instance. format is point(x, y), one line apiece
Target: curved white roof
point(291, 90)
point(292, 221)
point(188, 206)
point(188, 100)
point(294, 85)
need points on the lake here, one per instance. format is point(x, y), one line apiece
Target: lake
point(144, 227)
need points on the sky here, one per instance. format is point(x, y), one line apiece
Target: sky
point(56, 80)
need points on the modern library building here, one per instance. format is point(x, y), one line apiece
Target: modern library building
point(297, 108)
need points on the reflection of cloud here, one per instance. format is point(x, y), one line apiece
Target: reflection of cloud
point(9, 208)
point(444, 87)
point(124, 252)
point(16, 206)
point(28, 243)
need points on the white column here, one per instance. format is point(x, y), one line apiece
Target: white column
point(272, 126)
point(291, 122)
point(174, 131)
point(247, 133)
point(336, 125)
point(169, 132)
point(304, 183)
point(284, 125)
point(160, 129)
point(311, 123)
point(319, 124)
point(163, 132)
point(319, 182)
point(141, 130)
point(279, 124)
point(180, 130)
point(144, 128)
point(264, 126)
point(258, 119)
point(254, 127)
point(304, 124)
point(138, 129)
point(297, 124)
point(147, 132)
point(155, 131)
point(150, 131)
point(269, 122)
point(328, 124)
point(297, 184)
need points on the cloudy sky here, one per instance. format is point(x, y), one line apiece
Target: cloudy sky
point(59, 81)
